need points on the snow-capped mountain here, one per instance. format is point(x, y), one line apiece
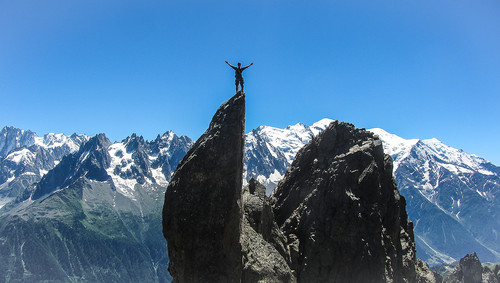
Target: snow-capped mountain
point(136, 161)
point(87, 196)
point(25, 158)
point(452, 197)
point(95, 216)
point(269, 151)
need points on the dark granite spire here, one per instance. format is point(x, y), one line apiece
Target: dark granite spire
point(202, 213)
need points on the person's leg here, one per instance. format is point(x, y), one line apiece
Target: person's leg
point(236, 83)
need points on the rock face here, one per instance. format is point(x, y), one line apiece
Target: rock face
point(469, 270)
point(265, 256)
point(425, 274)
point(202, 213)
point(342, 214)
point(337, 215)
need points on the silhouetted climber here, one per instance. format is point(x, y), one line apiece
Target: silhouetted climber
point(238, 77)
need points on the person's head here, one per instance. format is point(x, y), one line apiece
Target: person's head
point(239, 64)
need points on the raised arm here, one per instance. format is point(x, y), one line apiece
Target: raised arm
point(247, 66)
point(230, 65)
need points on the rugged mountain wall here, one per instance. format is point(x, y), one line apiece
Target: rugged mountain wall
point(452, 197)
point(202, 213)
point(25, 158)
point(337, 216)
point(12, 138)
point(342, 214)
point(95, 217)
point(82, 228)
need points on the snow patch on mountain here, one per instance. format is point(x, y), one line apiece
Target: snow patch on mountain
point(25, 158)
point(121, 161)
point(22, 156)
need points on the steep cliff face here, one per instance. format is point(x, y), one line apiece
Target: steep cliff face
point(337, 215)
point(202, 212)
point(342, 214)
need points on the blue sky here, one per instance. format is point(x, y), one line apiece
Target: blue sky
point(418, 69)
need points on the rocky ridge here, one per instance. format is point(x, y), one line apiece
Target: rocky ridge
point(25, 158)
point(447, 190)
point(337, 216)
point(95, 216)
point(470, 270)
point(342, 213)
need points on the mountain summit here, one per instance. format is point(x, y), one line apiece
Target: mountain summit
point(336, 216)
point(342, 213)
point(452, 197)
point(202, 212)
point(95, 216)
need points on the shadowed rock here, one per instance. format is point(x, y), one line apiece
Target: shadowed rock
point(343, 216)
point(469, 270)
point(202, 212)
point(265, 256)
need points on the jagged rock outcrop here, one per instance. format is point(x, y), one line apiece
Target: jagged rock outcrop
point(265, 257)
point(341, 211)
point(469, 270)
point(425, 274)
point(491, 276)
point(90, 161)
point(202, 212)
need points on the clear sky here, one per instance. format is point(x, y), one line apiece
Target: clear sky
point(418, 69)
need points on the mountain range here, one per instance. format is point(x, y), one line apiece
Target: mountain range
point(452, 197)
point(95, 216)
point(78, 200)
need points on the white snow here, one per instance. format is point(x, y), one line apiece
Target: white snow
point(23, 155)
point(124, 186)
point(275, 177)
point(159, 177)
point(431, 157)
point(394, 145)
point(52, 140)
point(4, 201)
point(319, 126)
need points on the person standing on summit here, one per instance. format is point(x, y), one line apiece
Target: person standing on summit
point(238, 77)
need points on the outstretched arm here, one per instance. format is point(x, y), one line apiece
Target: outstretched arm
point(247, 66)
point(230, 65)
